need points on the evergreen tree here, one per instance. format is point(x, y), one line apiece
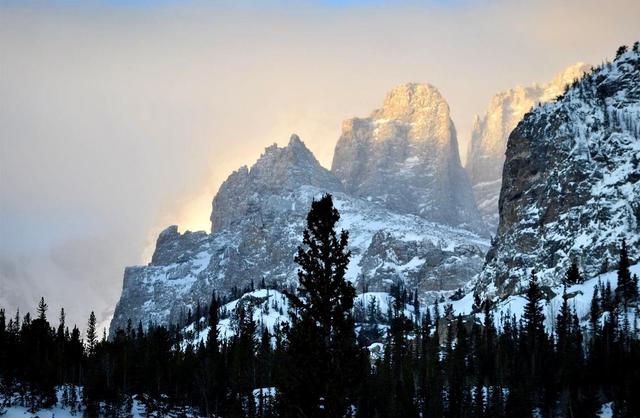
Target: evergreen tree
point(621, 50)
point(595, 310)
point(213, 319)
point(322, 352)
point(533, 314)
point(534, 345)
point(42, 310)
point(563, 324)
point(627, 289)
point(61, 325)
point(92, 337)
point(573, 275)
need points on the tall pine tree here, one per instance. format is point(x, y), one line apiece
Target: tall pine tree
point(323, 358)
point(627, 288)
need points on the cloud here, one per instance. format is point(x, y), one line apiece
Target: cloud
point(117, 119)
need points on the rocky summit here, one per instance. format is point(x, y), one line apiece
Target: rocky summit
point(486, 152)
point(251, 194)
point(404, 156)
point(571, 182)
point(258, 216)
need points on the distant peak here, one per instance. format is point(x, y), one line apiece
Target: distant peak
point(167, 235)
point(294, 139)
point(170, 231)
point(572, 72)
point(413, 89)
point(410, 101)
point(295, 144)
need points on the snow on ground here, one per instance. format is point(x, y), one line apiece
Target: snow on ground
point(270, 308)
point(383, 300)
point(581, 302)
point(57, 412)
point(138, 410)
point(607, 410)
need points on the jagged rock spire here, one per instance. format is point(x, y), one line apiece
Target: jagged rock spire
point(405, 157)
point(485, 156)
point(278, 170)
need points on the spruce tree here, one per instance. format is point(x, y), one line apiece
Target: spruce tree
point(61, 325)
point(573, 275)
point(533, 314)
point(627, 289)
point(213, 321)
point(92, 337)
point(621, 50)
point(595, 310)
point(563, 324)
point(534, 338)
point(323, 356)
point(42, 310)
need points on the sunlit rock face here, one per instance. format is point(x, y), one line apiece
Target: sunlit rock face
point(258, 194)
point(486, 153)
point(258, 217)
point(405, 157)
point(571, 182)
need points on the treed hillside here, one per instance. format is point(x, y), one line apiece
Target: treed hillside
point(320, 363)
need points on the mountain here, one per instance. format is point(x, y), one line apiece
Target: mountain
point(485, 156)
point(405, 158)
point(258, 216)
point(278, 171)
point(571, 182)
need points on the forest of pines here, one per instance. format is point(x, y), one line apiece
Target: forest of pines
point(316, 365)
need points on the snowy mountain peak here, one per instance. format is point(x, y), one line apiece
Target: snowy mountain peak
point(571, 182)
point(278, 170)
point(414, 103)
point(405, 158)
point(294, 139)
point(485, 156)
point(173, 247)
point(567, 76)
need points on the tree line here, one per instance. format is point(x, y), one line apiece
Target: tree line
point(433, 364)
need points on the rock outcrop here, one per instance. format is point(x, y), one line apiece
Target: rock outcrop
point(486, 152)
point(571, 182)
point(259, 194)
point(405, 157)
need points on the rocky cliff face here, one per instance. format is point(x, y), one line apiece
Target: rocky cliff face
point(258, 217)
point(486, 153)
point(571, 182)
point(405, 157)
point(259, 194)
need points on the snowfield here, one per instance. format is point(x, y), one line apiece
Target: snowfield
point(579, 298)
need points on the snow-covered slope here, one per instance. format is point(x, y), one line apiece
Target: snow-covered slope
point(579, 297)
point(269, 308)
point(259, 238)
point(485, 156)
point(138, 409)
point(405, 157)
point(571, 182)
